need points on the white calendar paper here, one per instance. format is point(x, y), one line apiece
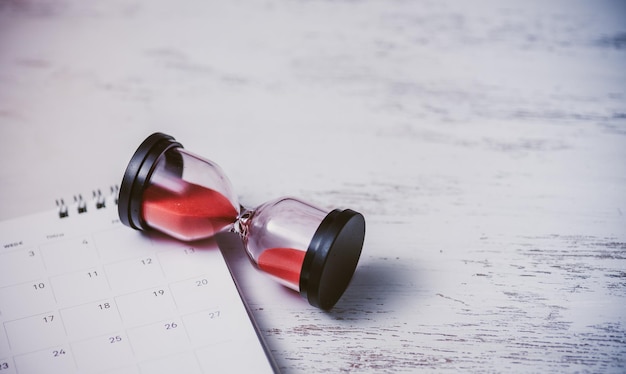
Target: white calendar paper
point(85, 294)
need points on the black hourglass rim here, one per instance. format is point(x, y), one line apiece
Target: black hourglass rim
point(332, 257)
point(138, 174)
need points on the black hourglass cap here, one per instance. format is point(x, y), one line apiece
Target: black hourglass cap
point(332, 257)
point(138, 174)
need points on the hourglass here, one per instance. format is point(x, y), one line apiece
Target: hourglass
point(308, 249)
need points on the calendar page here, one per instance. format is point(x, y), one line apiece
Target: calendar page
point(86, 294)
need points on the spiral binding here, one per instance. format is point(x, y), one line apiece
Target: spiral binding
point(99, 200)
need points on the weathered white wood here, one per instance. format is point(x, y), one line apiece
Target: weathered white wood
point(485, 142)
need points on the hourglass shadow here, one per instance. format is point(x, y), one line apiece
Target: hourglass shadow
point(208, 244)
point(239, 264)
point(378, 285)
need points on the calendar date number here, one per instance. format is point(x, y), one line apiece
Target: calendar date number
point(115, 339)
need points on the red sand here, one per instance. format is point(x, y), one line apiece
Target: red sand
point(194, 212)
point(284, 263)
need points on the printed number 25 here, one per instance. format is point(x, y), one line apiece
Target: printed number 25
point(115, 339)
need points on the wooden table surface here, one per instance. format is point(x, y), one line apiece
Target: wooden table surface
point(484, 141)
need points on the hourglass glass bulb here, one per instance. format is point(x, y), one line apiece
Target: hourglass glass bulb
point(171, 190)
point(308, 249)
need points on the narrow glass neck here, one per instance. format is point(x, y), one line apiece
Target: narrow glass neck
point(242, 225)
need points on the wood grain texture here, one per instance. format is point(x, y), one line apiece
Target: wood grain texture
point(485, 142)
